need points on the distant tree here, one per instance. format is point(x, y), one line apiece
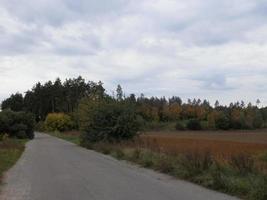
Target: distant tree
point(242, 104)
point(175, 99)
point(15, 102)
point(119, 93)
point(173, 111)
point(201, 113)
point(258, 102)
point(258, 119)
point(217, 104)
point(206, 104)
point(54, 97)
point(236, 119)
point(264, 113)
point(131, 99)
point(193, 124)
point(222, 121)
point(189, 101)
point(211, 120)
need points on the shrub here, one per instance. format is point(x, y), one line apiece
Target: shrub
point(17, 124)
point(119, 153)
point(136, 154)
point(194, 124)
point(3, 136)
point(147, 159)
point(40, 126)
point(179, 126)
point(107, 121)
point(58, 122)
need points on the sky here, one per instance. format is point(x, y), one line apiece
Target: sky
point(193, 49)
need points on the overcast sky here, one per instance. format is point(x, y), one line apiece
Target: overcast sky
point(194, 48)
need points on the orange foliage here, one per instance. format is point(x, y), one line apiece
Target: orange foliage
point(200, 112)
point(173, 111)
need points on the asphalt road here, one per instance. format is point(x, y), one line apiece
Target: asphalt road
point(53, 169)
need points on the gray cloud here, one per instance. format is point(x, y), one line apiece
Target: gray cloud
point(58, 12)
point(205, 49)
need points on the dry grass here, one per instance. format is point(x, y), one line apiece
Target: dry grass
point(216, 147)
point(10, 151)
point(71, 136)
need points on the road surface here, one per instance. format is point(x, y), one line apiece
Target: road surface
point(53, 169)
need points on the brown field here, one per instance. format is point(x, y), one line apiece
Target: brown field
point(246, 136)
point(219, 143)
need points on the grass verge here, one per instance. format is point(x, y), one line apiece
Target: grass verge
point(72, 137)
point(10, 152)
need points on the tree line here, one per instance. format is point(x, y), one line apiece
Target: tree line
point(66, 96)
point(53, 97)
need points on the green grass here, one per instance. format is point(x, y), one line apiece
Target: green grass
point(69, 137)
point(10, 152)
point(263, 156)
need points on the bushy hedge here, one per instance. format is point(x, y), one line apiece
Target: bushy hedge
point(107, 121)
point(58, 122)
point(193, 124)
point(17, 124)
point(179, 126)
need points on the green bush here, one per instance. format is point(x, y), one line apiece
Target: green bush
point(40, 126)
point(194, 124)
point(17, 124)
point(58, 122)
point(3, 136)
point(107, 121)
point(179, 126)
